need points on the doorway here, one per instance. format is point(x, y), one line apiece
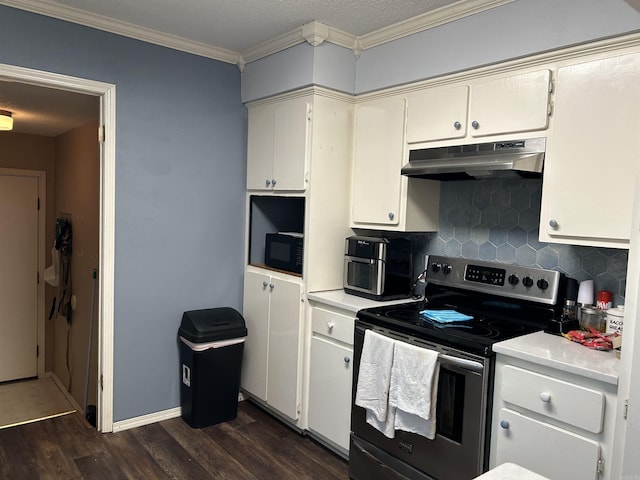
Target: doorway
point(105, 314)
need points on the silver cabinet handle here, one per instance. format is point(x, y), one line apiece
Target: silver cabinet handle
point(347, 360)
point(553, 223)
point(273, 182)
point(264, 284)
point(391, 215)
point(457, 125)
point(267, 182)
point(504, 424)
point(271, 286)
point(475, 124)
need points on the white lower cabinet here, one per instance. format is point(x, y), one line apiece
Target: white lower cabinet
point(555, 424)
point(330, 377)
point(272, 361)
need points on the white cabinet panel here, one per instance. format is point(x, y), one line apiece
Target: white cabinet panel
point(283, 371)
point(255, 310)
point(278, 145)
point(592, 157)
point(545, 449)
point(330, 381)
point(271, 365)
point(333, 325)
point(437, 114)
point(517, 103)
point(379, 154)
point(563, 401)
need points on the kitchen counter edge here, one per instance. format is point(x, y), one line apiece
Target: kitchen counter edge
point(557, 352)
point(351, 303)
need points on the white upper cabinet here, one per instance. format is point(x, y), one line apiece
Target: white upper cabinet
point(278, 145)
point(438, 114)
point(381, 197)
point(504, 105)
point(593, 153)
point(518, 103)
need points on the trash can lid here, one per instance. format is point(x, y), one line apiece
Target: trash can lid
point(212, 324)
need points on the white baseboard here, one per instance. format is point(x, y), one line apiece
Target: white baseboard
point(64, 391)
point(146, 419)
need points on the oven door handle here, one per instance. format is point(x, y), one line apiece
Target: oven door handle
point(460, 362)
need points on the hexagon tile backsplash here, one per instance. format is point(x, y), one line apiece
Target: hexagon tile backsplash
point(498, 220)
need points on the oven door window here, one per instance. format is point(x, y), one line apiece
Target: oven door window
point(360, 275)
point(450, 406)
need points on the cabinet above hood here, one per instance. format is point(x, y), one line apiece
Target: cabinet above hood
point(513, 158)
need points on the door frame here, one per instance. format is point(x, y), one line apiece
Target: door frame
point(41, 178)
point(107, 94)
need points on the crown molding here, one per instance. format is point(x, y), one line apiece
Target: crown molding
point(440, 16)
point(75, 15)
point(315, 33)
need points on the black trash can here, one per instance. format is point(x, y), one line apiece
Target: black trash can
point(211, 346)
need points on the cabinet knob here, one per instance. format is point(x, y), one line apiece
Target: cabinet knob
point(273, 182)
point(391, 216)
point(347, 360)
point(475, 124)
point(504, 424)
point(330, 326)
point(457, 125)
point(267, 182)
point(271, 285)
point(545, 397)
point(264, 284)
point(553, 223)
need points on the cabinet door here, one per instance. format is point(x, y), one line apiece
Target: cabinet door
point(545, 449)
point(512, 104)
point(592, 158)
point(283, 372)
point(438, 114)
point(255, 310)
point(260, 145)
point(379, 154)
point(330, 390)
point(291, 145)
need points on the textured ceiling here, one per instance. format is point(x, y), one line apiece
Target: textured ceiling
point(240, 24)
point(233, 25)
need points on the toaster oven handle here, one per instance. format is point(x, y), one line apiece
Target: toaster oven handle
point(369, 261)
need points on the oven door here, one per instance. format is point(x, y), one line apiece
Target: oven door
point(457, 452)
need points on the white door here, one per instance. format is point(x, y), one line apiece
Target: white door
point(18, 277)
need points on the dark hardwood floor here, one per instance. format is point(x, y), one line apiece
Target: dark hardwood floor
point(253, 446)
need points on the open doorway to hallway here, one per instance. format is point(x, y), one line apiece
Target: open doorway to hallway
point(80, 189)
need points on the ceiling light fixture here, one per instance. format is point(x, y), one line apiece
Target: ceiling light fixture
point(6, 120)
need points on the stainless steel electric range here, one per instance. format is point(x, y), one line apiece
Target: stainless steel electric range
point(504, 301)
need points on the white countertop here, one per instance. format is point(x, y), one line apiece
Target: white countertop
point(351, 303)
point(558, 352)
point(510, 471)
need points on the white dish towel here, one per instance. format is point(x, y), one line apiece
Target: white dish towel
point(374, 376)
point(414, 389)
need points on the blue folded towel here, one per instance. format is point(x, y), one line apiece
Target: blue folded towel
point(445, 316)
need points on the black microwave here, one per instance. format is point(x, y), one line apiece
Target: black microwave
point(284, 251)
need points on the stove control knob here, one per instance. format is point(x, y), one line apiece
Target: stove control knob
point(542, 284)
point(435, 267)
point(513, 279)
point(527, 281)
point(446, 269)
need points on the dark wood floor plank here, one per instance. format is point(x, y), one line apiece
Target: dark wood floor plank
point(213, 458)
point(254, 446)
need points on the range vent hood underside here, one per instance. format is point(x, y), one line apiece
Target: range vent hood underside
point(485, 160)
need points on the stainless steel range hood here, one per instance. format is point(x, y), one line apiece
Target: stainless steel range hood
point(513, 158)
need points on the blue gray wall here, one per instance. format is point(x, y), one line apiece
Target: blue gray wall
point(517, 29)
point(179, 189)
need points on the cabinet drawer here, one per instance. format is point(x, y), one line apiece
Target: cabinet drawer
point(333, 325)
point(563, 401)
